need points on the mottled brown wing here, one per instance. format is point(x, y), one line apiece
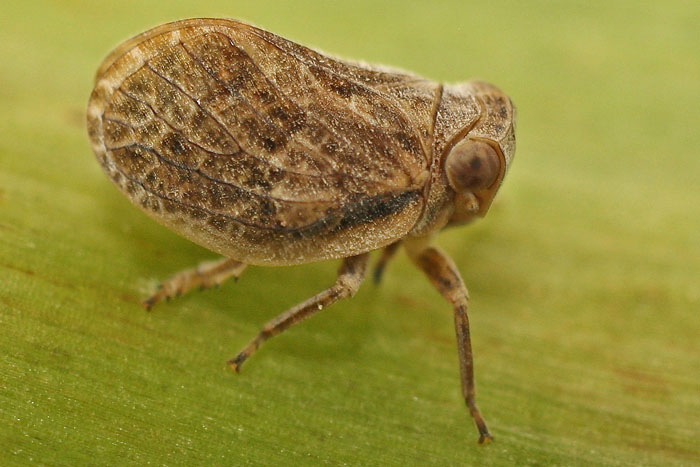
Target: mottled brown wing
point(261, 149)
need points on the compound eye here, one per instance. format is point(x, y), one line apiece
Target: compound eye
point(472, 166)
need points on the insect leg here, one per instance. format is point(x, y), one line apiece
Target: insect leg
point(444, 275)
point(205, 275)
point(350, 276)
point(387, 254)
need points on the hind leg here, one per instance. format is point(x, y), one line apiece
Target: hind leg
point(205, 275)
point(350, 276)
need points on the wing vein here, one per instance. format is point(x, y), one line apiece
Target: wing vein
point(190, 206)
point(210, 178)
point(325, 221)
point(263, 118)
point(260, 159)
point(287, 99)
point(332, 72)
point(338, 138)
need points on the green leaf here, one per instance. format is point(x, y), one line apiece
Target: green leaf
point(583, 277)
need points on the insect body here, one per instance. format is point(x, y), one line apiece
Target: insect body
point(269, 153)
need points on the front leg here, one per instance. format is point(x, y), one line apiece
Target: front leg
point(350, 276)
point(444, 275)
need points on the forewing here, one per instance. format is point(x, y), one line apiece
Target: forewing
point(223, 119)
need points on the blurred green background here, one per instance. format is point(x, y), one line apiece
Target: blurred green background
point(583, 277)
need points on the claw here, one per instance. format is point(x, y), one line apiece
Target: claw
point(150, 302)
point(235, 363)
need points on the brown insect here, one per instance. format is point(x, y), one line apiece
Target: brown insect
point(269, 153)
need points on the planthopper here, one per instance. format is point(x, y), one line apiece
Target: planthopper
point(269, 153)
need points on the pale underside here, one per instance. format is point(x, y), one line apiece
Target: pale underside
point(261, 149)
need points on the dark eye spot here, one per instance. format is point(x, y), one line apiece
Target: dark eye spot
point(472, 166)
point(474, 181)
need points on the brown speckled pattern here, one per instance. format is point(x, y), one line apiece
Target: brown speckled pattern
point(268, 152)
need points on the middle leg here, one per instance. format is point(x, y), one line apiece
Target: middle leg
point(387, 254)
point(350, 276)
